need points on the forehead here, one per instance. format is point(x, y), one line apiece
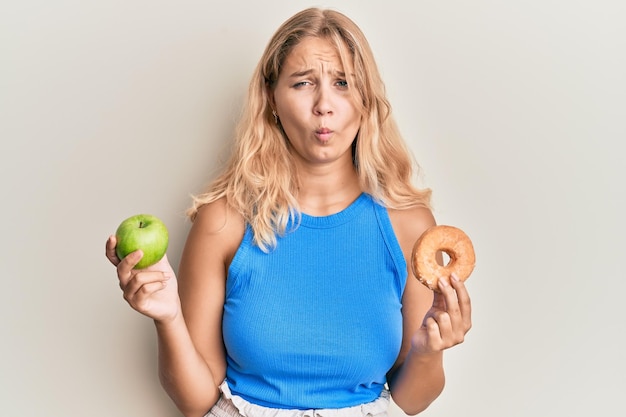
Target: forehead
point(312, 52)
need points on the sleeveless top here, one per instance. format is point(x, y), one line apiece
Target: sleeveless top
point(316, 322)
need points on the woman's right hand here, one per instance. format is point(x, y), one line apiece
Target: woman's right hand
point(152, 291)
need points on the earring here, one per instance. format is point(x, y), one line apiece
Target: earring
point(275, 116)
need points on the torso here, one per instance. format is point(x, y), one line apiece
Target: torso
point(334, 315)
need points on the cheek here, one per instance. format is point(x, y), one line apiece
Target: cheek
point(290, 121)
point(352, 113)
point(356, 122)
point(287, 105)
point(292, 126)
point(294, 117)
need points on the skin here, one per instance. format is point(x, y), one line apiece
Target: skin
point(312, 102)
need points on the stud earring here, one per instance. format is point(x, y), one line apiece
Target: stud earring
point(275, 116)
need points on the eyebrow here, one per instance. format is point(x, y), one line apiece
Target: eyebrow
point(309, 71)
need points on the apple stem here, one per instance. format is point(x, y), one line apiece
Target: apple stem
point(141, 225)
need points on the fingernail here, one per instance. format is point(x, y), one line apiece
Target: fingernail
point(442, 282)
point(454, 277)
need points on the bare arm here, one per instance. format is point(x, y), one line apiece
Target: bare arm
point(187, 312)
point(431, 323)
point(212, 242)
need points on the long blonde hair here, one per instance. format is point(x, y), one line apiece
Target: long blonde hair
point(260, 179)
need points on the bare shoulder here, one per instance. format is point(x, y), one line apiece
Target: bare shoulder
point(218, 217)
point(409, 224)
point(212, 242)
point(219, 226)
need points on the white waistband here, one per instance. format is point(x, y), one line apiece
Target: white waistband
point(376, 408)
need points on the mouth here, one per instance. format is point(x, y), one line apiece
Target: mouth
point(323, 134)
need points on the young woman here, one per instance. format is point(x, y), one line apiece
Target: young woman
point(293, 292)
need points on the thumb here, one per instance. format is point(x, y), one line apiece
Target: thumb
point(109, 251)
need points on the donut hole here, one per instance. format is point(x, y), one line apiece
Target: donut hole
point(443, 258)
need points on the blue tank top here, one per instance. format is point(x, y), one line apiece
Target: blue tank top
point(316, 323)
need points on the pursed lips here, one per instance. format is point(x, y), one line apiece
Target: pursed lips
point(323, 134)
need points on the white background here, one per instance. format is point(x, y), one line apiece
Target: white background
point(515, 110)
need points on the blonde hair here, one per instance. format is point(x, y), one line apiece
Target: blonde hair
point(260, 179)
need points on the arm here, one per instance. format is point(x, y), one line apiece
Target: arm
point(187, 313)
point(431, 323)
point(193, 383)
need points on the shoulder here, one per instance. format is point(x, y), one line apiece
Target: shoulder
point(215, 216)
point(218, 227)
point(409, 224)
point(211, 244)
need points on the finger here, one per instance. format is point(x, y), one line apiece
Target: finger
point(110, 250)
point(465, 303)
point(453, 324)
point(449, 295)
point(447, 335)
point(439, 301)
point(435, 342)
point(143, 285)
point(444, 326)
point(126, 265)
point(141, 300)
point(141, 278)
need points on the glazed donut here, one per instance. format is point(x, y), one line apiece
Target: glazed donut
point(450, 240)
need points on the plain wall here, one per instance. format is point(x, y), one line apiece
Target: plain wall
point(514, 110)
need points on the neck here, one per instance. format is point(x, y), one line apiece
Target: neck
point(327, 189)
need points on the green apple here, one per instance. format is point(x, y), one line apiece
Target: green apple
point(145, 232)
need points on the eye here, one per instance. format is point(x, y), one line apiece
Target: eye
point(301, 84)
point(342, 84)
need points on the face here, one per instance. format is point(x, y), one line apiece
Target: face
point(314, 104)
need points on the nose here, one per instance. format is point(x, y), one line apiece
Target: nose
point(323, 101)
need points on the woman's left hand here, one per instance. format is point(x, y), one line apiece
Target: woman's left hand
point(447, 321)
